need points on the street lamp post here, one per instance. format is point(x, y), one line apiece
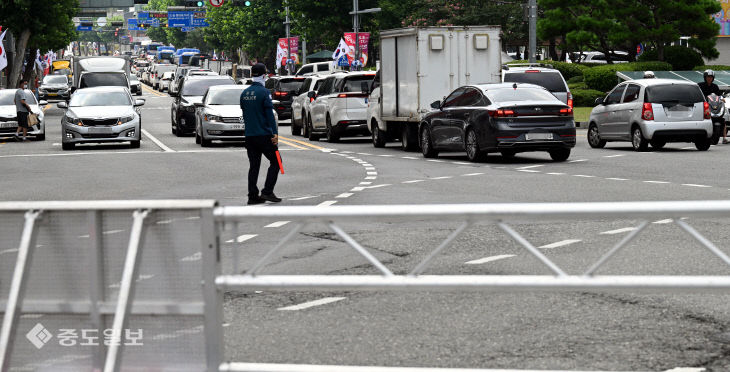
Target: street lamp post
point(287, 23)
point(532, 5)
point(356, 24)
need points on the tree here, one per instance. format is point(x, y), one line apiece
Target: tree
point(323, 22)
point(38, 24)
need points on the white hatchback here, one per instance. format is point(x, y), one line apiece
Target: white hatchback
point(300, 104)
point(340, 106)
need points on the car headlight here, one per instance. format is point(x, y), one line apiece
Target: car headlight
point(125, 119)
point(212, 118)
point(190, 108)
point(72, 119)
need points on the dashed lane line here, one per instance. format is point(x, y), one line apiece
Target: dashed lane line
point(472, 174)
point(662, 222)
point(327, 203)
point(277, 224)
point(617, 179)
point(583, 176)
point(528, 171)
point(695, 185)
point(489, 259)
point(409, 157)
point(556, 174)
point(657, 182)
point(578, 161)
point(413, 181)
point(242, 238)
point(561, 243)
point(307, 305)
point(531, 166)
point(614, 156)
point(157, 142)
point(304, 198)
point(442, 178)
point(618, 231)
point(344, 195)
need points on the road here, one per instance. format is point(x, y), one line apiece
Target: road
point(551, 331)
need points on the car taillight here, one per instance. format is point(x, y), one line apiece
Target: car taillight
point(501, 113)
point(566, 111)
point(281, 94)
point(570, 100)
point(352, 95)
point(647, 112)
point(707, 110)
point(531, 71)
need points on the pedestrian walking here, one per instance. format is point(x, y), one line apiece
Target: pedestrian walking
point(22, 109)
point(262, 136)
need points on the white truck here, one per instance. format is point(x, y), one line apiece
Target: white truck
point(101, 71)
point(421, 65)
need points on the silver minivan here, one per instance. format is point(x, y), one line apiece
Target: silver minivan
point(651, 111)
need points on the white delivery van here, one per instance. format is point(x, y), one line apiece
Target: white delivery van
point(422, 65)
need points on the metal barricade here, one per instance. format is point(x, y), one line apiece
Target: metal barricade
point(93, 285)
point(503, 215)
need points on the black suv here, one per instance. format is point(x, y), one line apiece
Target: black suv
point(283, 89)
point(192, 90)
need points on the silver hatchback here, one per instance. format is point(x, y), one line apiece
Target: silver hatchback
point(651, 111)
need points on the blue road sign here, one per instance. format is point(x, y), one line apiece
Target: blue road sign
point(132, 25)
point(187, 29)
point(179, 19)
point(343, 61)
point(143, 15)
point(83, 28)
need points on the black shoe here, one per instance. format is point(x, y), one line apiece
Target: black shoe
point(256, 200)
point(271, 197)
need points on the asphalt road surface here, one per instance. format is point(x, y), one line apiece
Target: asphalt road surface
point(615, 331)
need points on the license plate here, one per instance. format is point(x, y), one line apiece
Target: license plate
point(52, 94)
point(237, 126)
point(101, 130)
point(538, 136)
point(8, 124)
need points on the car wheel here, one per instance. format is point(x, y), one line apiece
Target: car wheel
point(409, 138)
point(702, 144)
point(378, 135)
point(312, 136)
point(197, 138)
point(471, 144)
point(657, 144)
point(559, 154)
point(637, 140)
point(305, 126)
point(205, 142)
point(296, 129)
point(41, 137)
point(68, 146)
point(332, 137)
point(715, 136)
point(426, 144)
point(594, 138)
point(508, 154)
point(135, 144)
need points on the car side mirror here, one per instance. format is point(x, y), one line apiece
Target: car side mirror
point(436, 105)
point(139, 102)
point(599, 101)
point(62, 105)
point(312, 94)
point(42, 103)
point(365, 87)
point(198, 104)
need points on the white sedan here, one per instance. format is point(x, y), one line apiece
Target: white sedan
point(9, 116)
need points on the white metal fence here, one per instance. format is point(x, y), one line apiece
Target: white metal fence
point(85, 263)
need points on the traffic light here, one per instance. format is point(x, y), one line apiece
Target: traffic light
point(194, 3)
point(141, 2)
point(117, 23)
point(116, 31)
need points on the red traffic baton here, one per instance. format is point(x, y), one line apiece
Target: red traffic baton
point(278, 158)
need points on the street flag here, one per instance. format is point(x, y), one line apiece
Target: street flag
point(215, 56)
point(3, 56)
point(280, 55)
point(341, 50)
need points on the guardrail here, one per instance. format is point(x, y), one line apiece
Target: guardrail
point(70, 266)
point(501, 215)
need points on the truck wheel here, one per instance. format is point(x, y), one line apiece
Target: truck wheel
point(409, 139)
point(378, 135)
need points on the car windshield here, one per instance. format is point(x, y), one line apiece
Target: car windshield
point(199, 87)
point(99, 99)
point(7, 97)
point(551, 81)
point(103, 80)
point(519, 94)
point(289, 85)
point(674, 93)
point(55, 80)
point(354, 84)
point(225, 97)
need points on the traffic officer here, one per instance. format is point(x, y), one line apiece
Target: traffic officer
point(262, 136)
point(708, 86)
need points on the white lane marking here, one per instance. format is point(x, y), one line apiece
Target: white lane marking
point(460, 163)
point(361, 188)
point(327, 203)
point(583, 176)
point(617, 179)
point(488, 259)
point(357, 160)
point(531, 166)
point(528, 171)
point(362, 153)
point(307, 305)
point(367, 165)
point(366, 183)
point(662, 222)
point(500, 167)
point(372, 173)
point(472, 174)
point(561, 243)
point(555, 174)
point(78, 154)
point(412, 181)
point(435, 161)
point(694, 185)
point(139, 279)
point(688, 148)
point(109, 232)
point(369, 168)
point(164, 222)
point(304, 198)
point(614, 156)
point(577, 161)
point(277, 224)
point(618, 231)
point(8, 251)
point(157, 142)
point(193, 257)
point(344, 195)
point(409, 157)
point(242, 238)
point(192, 218)
point(442, 178)
point(387, 156)
point(84, 236)
point(346, 152)
point(371, 178)
point(56, 144)
point(657, 182)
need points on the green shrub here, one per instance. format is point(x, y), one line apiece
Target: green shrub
point(681, 58)
point(575, 79)
point(713, 67)
point(580, 85)
point(603, 78)
point(585, 97)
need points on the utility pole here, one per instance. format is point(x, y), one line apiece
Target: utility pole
point(356, 24)
point(532, 19)
point(287, 23)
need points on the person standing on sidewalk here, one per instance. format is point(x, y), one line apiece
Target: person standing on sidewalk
point(22, 109)
point(262, 136)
